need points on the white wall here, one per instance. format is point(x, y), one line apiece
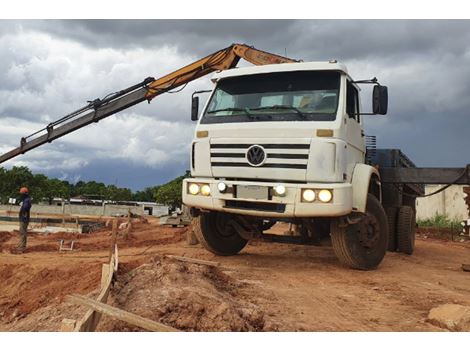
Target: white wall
point(450, 202)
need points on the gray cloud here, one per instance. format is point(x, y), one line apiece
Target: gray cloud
point(49, 68)
point(313, 39)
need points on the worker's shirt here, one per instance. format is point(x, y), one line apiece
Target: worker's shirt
point(25, 209)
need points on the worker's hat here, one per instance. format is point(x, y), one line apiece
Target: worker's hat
point(24, 190)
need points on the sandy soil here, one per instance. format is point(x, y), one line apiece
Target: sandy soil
point(267, 287)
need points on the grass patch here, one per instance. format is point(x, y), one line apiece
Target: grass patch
point(442, 222)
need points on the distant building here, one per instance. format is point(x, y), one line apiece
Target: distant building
point(154, 209)
point(88, 199)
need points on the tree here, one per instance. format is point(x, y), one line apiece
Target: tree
point(41, 187)
point(12, 180)
point(118, 194)
point(56, 188)
point(170, 193)
point(147, 195)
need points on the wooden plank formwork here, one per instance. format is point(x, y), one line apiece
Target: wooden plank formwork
point(90, 320)
point(120, 314)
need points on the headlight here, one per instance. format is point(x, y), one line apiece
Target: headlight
point(222, 187)
point(205, 190)
point(325, 195)
point(193, 188)
point(308, 195)
point(280, 190)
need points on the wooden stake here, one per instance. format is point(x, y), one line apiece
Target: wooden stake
point(104, 276)
point(113, 237)
point(120, 314)
point(193, 260)
point(91, 319)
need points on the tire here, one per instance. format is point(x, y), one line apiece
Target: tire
point(406, 226)
point(216, 235)
point(363, 245)
point(392, 226)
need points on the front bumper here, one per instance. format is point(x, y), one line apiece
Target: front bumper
point(289, 205)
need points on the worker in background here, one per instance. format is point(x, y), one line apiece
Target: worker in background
point(24, 218)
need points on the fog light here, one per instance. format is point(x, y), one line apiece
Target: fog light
point(205, 190)
point(308, 195)
point(222, 187)
point(280, 190)
point(325, 195)
point(193, 188)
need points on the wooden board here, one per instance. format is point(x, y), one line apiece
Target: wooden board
point(120, 314)
point(193, 260)
point(90, 320)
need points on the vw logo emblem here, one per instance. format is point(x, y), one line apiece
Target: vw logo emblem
point(256, 155)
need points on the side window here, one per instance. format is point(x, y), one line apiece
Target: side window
point(352, 102)
point(221, 100)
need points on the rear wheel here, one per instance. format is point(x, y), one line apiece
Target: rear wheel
point(214, 232)
point(362, 245)
point(406, 226)
point(392, 227)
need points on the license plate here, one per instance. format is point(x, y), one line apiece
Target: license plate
point(252, 192)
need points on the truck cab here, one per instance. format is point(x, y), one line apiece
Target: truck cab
point(284, 142)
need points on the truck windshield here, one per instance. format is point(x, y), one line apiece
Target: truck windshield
point(282, 96)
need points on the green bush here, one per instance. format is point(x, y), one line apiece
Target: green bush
point(442, 221)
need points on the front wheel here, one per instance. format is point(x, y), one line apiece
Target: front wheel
point(362, 245)
point(214, 232)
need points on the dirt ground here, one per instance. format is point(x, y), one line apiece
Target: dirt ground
point(267, 287)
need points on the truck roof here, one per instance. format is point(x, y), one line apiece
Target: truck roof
point(286, 67)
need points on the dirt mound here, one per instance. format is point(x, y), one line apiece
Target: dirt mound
point(4, 237)
point(188, 297)
point(26, 288)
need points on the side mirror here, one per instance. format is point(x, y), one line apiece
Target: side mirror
point(194, 108)
point(380, 100)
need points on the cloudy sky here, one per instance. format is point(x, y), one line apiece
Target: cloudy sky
point(50, 68)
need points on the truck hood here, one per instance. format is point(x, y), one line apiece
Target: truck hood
point(288, 154)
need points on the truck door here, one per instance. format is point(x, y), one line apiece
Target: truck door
point(354, 132)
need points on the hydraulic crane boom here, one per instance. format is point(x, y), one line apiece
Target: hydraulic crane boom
point(146, 90)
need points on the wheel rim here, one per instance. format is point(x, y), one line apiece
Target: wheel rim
point(223, 227)
point(369, 231)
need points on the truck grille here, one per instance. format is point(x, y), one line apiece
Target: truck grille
point(284, 156)
point(259, 206)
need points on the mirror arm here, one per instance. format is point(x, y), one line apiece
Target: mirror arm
point(200, 91)
point(368, 81)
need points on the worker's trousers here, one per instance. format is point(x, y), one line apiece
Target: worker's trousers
point(23, 235)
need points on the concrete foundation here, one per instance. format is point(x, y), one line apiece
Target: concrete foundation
point(76, 209)
point(10, 227)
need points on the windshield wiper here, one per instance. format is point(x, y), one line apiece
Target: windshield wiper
point(245, 110)
point(282, 107)
point(226, 109)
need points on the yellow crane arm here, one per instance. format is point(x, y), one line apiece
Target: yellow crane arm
point(220, 60)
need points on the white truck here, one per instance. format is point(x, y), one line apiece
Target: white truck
point(286, 142)
point(282, 141)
